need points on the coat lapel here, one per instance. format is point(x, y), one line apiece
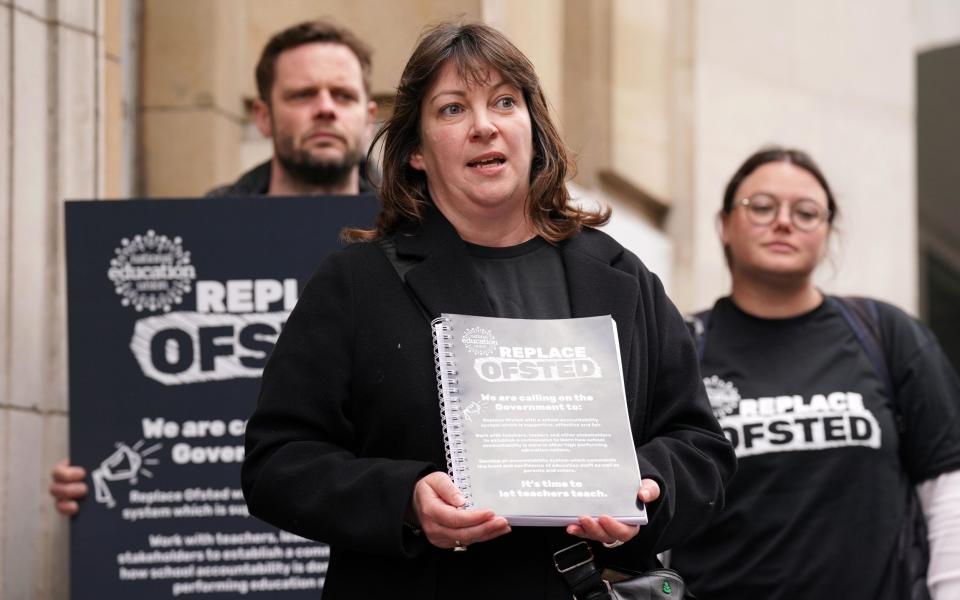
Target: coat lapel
point(445, 280)
point(597, 288)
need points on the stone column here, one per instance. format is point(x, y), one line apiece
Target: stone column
point(191, 111)
point(51, 149)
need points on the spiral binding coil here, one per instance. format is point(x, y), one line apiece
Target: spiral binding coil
point(451, 419)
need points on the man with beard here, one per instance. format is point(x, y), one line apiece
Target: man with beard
point(313, 82)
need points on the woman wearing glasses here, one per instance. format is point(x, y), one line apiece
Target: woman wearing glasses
point(839, 409)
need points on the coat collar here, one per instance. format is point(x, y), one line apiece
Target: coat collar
point(445, 281)
point(597, 287)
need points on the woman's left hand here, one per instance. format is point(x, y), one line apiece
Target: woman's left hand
point(608, 530)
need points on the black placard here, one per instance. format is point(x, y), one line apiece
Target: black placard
point(174, 306)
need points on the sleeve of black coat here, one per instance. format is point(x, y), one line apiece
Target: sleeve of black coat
point(300, 472)
point(684, 449)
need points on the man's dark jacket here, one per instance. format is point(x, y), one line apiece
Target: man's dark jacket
point(348, 418)
point(256, 182)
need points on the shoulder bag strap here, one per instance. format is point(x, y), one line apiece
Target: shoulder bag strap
point(401, 266)
point(863, 317)
point(576, 566)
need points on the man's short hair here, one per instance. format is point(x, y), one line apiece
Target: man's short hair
point(309, 32)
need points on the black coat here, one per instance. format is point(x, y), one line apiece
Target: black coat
point(348, 418)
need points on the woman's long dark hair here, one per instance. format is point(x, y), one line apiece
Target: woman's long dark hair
point(475, 49)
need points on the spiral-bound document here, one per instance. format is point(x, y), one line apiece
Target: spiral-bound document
point(535, 418)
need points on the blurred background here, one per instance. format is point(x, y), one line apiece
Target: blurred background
point(660, 100)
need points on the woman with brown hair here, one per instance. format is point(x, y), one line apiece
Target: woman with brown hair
point(840, 409)
point(346, 445)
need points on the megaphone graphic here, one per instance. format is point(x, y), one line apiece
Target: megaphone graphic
point(123, 465)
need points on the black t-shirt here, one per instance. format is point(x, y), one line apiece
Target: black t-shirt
point(526, 281)
point(817, 505)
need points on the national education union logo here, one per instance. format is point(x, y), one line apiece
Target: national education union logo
point(724, 396)
point(151, 272)
point(479, 341)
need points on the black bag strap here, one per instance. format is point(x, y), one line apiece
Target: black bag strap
point(401, 266)
point(863, 318)
point(576, 566)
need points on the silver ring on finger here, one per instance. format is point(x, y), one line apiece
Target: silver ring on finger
point(613, 544)
point(458, 547)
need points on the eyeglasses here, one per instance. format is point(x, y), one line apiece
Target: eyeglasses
point(805, 214)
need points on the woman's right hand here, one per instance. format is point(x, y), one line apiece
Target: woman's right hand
point(67, 486)
point(436, 502)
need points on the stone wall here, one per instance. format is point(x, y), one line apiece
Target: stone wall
point(51, 148)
